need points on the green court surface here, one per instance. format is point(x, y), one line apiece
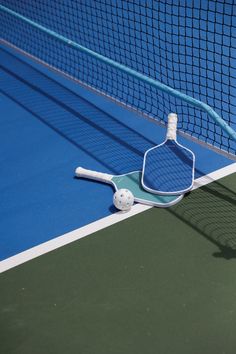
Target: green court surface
point(161, 282)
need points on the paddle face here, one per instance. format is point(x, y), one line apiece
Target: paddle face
point(168, 169)
point(131, 181)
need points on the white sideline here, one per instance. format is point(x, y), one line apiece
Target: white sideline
point(69, 237)
point(214, 176)
point(84, 231)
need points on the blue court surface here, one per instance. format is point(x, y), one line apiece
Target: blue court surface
point(49, 126)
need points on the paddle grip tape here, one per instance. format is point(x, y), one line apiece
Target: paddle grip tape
point(172, 126)
point(97, 176)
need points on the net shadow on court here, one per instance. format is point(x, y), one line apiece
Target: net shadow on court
point(115, 145)
point(211, 212)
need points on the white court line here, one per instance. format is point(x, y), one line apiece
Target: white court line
point(87, 230)
point(214, 176)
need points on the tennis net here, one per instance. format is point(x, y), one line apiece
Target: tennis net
point(186, 46)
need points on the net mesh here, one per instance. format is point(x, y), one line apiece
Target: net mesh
point(189, 46)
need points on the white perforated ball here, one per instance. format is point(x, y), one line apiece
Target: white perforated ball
point(123, 199)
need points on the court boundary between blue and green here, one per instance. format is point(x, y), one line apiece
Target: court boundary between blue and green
point(220, 167)
point(99, 225)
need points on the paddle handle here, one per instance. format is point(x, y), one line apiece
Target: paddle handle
point(94, 175)
point(172, 126)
